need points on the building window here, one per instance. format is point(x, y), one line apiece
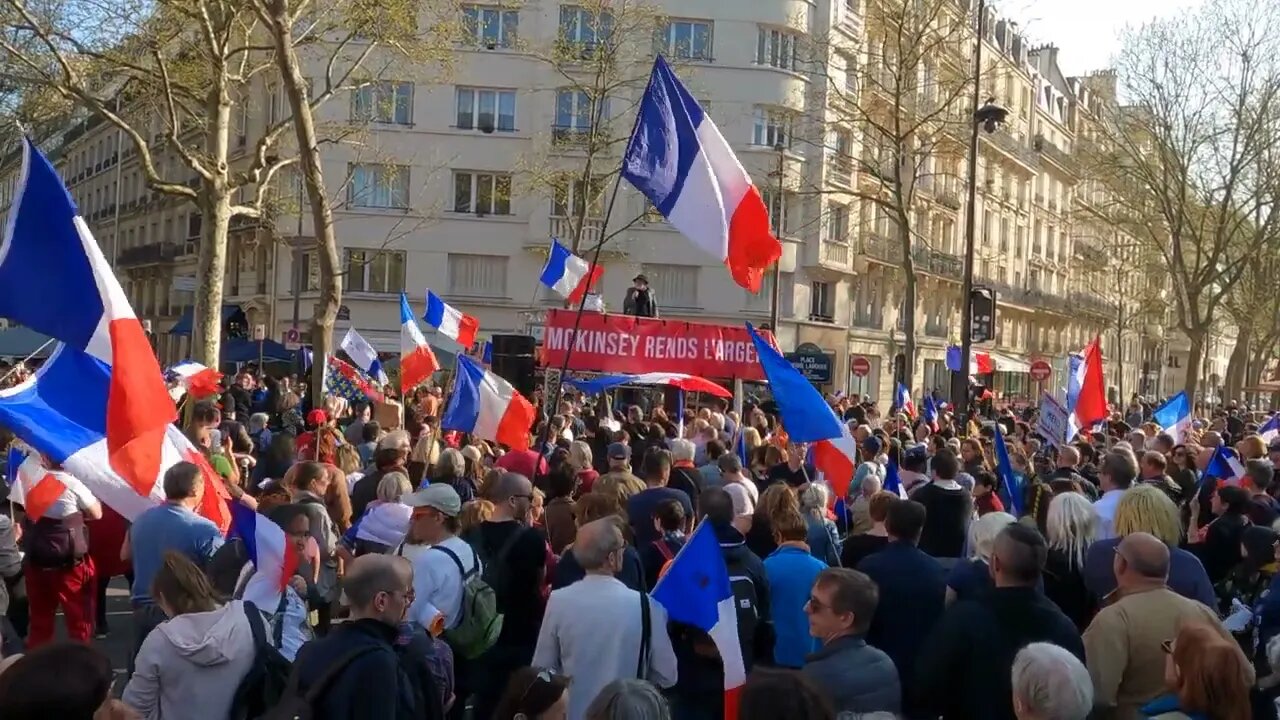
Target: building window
point(274, 104)
point(763, 300)
point(822, 302)
point(777, 48)
point(838, 223)
point(379, 186)
point(779, 206)
point(486, 110)
point(581, 26)
point(478, 275)
point(868, 310)
point(310, 271)
point(383, 102)
point(571, 196)
point(490, 27)
point(575, 114)
point(482, 193)
point(687, 39)
point(677, 285)
point(772, 127)
point(374, 271)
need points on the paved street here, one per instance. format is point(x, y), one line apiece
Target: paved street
point(117, 643)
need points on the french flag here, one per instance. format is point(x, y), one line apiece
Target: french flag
point(364, 356)
point(681, 381)
point(32, 486)
point(1270, 430)
point(47, 245)
point(808, 418)
point(679, 160)
point(893, 478)
point(930, 412)
point(1174, 416)
point(451, 322)
point(695, 590)
point(417, 361)
point(980, 363)
point(1225, 465)
point(487, 407)
point(61, 412)
point(275, 559)
point(1090, 401)
point(902, 400)
point(569, 275)
point(194, 379)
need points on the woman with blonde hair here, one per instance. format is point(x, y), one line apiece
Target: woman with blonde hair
point(972, 576)
point(474, 513)
point(1146, 508)
point(823, 539)
point(582, 461)
point(1072, 526)
point(620, 486)
point(384, 524)
point(1207, 676)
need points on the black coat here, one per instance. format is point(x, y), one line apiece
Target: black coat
point(375, 685)
point(963, 672)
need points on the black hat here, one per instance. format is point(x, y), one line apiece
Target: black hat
point(640, 278)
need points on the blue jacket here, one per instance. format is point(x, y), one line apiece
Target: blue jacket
point(913, 590)
point(822, 540)
point(855, 676)
point(374, 685)
point(1167, 706)
point(1187, 575)
point(791, 571)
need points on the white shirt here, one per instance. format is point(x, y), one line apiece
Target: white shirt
point(592, 631)
point(1106, 509)
point(744, 495)
point(74, 499)
point(437, 584)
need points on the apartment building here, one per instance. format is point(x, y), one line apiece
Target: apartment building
point(457, 183)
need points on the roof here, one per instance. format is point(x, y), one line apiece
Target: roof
point(21, 342)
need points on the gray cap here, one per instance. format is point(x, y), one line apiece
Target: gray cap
point(439, 496)
point(619, 451)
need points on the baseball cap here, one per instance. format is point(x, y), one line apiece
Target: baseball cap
point(619, 451)
point(439, 496)
point(919, 451)
point(872, 444)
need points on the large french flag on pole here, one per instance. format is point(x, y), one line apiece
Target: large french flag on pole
point(54, 280)
point(450, 321)
point(569, 275)
point(417, 361)
point(1090, 405)
point(679, 160)
point(61, 412)
point(486, 406)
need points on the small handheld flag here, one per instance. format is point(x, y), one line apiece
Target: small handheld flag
point(1174, 416)
point(450, 321)
point(364, 356)
point(1009, 485)
point(568, 275)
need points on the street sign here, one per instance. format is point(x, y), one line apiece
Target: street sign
point(860, 366)
point(292, 339)
point(259, 332)
point(344, 313)
point(815, 366)
point(184, 283)
point(1040, 371)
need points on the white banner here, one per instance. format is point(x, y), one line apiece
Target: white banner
point(1053, 420)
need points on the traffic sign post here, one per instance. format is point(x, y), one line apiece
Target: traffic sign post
point(1040, 372)
point(860, 366)
point(293, 338)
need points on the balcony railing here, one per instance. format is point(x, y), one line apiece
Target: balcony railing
point(1014, 147)
point(150, 254)
point(928, 260)
point(592, 229)
point(835, 253)
point(1056, 154)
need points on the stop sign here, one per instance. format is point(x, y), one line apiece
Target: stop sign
point(1040, 371)
point(860, 366)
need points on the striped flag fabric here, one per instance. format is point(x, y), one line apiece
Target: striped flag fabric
point(60, 412)
point(695, 590)
point(451, 322)
point(678, 159)
point(570, 276)
point(1174, 416)
point(48, 245)
point(417, 361)
point(902, 400)
point(363, 356)
point(1012, 489)
point(274, 557)
point(194, 379)
point(487, 407)
point(1270, 430)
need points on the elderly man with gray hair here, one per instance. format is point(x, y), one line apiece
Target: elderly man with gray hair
point(598, 630)
point(1050, 683)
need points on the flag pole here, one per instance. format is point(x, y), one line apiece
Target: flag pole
point(24, 360)
point(591, 270)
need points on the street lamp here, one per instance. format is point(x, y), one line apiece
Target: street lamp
point(987, 116)
point(775, 292)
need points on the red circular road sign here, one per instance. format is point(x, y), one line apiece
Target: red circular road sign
point(1040, 371)
point(860, 366)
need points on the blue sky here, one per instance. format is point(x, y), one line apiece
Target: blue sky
point(1086, 31)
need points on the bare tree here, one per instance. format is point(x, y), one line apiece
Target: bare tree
point(908, 107)
point(1192, 163)
point(1253, 306)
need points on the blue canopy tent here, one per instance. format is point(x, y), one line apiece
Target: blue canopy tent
point(20, 342)
point(239, 350)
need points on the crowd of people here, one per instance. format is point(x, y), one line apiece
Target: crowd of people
point(443, 576)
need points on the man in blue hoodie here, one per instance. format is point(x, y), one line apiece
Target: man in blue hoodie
point(699, 689)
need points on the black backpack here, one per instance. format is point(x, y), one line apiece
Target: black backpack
point(294, 705)
point(746, 600)
point(268, 679)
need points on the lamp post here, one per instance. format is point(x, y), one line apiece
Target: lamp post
point(986, 116)
point(775, 293)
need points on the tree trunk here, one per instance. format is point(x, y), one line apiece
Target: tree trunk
point(211, 268)
point(909, 317)
point(321, 213)
point(1195, 360)
point(1238, 363)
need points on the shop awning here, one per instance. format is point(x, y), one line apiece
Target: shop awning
point(238, 350)
point(184, 323)
point(19, 342)
point(1010, 364)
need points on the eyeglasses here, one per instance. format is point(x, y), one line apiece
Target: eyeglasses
point(816, 604)
point(1167, 647)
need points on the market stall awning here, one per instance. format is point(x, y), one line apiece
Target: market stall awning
point(184, 323)
point(19, 342)
point(238, 350)
point(688, 383)
point(1010, 364)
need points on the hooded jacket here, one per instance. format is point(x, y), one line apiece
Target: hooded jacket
point(190, 666)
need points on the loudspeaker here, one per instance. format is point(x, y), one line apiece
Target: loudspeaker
point(513, 361)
